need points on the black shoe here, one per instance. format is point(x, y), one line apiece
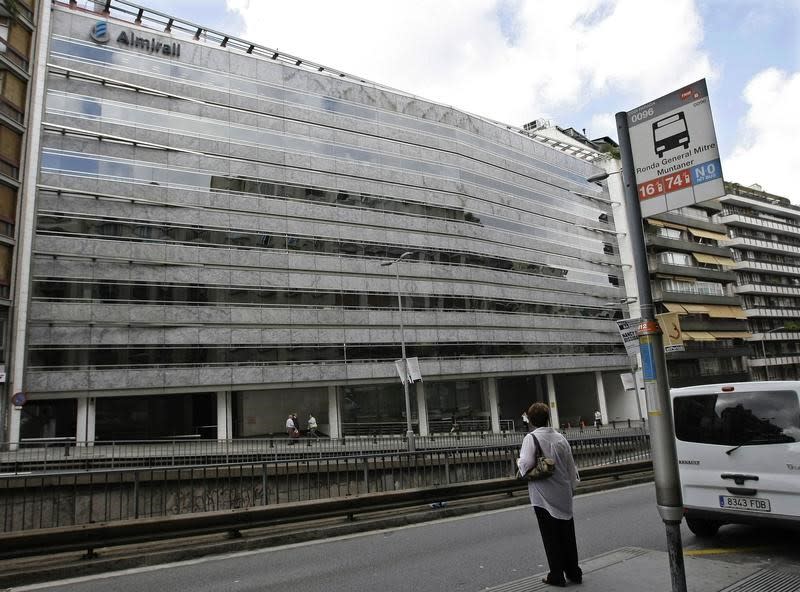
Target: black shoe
point(578, 580)
point(552, 583)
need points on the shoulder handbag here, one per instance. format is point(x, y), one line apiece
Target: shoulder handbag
point(543, 466)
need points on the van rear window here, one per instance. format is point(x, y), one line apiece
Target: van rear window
point(736, 419)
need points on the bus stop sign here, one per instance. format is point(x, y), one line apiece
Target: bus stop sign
point(675, 153)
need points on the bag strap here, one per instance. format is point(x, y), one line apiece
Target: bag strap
point(538, 450)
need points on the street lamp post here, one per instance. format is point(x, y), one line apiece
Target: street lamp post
point(409, 429)
point(764, 349)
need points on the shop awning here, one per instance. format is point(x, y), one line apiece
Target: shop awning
point(731, 334)
point(725, 312)
point(725, 261)
point(696, 308)
point(674, 307)
point(657, 223)
point(703, 258)
point(699, 336)
point(718, 236)
point(737, 313)
point(675, 226)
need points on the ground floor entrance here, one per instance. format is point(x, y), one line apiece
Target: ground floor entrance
point(493, 404)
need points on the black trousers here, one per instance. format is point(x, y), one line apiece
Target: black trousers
point(558, 537)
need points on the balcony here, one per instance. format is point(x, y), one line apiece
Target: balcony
point(768, 289)
point(754, 222)
point(703, 273)
point(755, 244)
point(773, 313)
point(662, 243)
point(780, 268)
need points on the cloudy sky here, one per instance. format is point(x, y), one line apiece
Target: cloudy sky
point(574, 62)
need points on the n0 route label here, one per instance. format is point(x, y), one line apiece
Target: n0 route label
point(682, 179)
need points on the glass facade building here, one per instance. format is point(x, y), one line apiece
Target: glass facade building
point(210, 225)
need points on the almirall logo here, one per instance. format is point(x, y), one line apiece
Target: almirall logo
point(100, 32)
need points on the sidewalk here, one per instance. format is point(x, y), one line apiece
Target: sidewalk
point(631, 569)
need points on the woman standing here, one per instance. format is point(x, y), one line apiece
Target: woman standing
point(551, 498)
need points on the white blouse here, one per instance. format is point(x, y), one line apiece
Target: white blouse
point(554, 494)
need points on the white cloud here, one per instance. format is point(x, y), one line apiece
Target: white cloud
point(603, 124)
point(765, 153)
point(560, 55)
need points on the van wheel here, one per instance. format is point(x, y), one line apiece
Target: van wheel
point(702, 528)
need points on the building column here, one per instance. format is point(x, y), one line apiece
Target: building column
point(224, 416)
point(601, 396)
point(422, 410)
point(490, 394)
point(14, 421)
point(26, 204)
point(85, 428)
point(335, 427)
point(551, 399)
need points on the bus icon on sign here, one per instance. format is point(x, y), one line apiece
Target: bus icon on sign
point(669, 133)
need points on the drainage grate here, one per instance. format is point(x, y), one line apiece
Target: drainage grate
point(767, 581)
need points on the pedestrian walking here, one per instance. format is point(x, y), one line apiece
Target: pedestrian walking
point(291, 428)
point(551, 497)
point(312, 426)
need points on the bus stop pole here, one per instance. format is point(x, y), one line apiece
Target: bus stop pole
point(654, 373)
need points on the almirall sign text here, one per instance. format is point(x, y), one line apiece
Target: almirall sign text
point(675, 153)
point(101, 34)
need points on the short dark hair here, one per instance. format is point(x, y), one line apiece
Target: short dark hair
point(539, 414)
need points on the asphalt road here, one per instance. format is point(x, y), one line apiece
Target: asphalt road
point(467, 553)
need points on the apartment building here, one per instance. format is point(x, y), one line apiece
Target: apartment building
point(764, 235)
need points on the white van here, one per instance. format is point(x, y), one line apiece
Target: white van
point(738, 450)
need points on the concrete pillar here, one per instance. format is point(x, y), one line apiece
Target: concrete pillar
point(601, 396)
point(551, 399)
point(490, 392)
point(14, 421)
point(85, 428)
point(224, 416)
point(422, 410)
point(335, 428)
point(21, 283)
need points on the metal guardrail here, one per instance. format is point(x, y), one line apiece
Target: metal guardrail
point(70, 498)
point(107, 534)
point(65, 453)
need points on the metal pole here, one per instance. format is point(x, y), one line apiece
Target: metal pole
point(636, 387)
point(409, 429)
point(654, 372)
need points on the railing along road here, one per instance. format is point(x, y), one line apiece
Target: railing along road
point(50, 499)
